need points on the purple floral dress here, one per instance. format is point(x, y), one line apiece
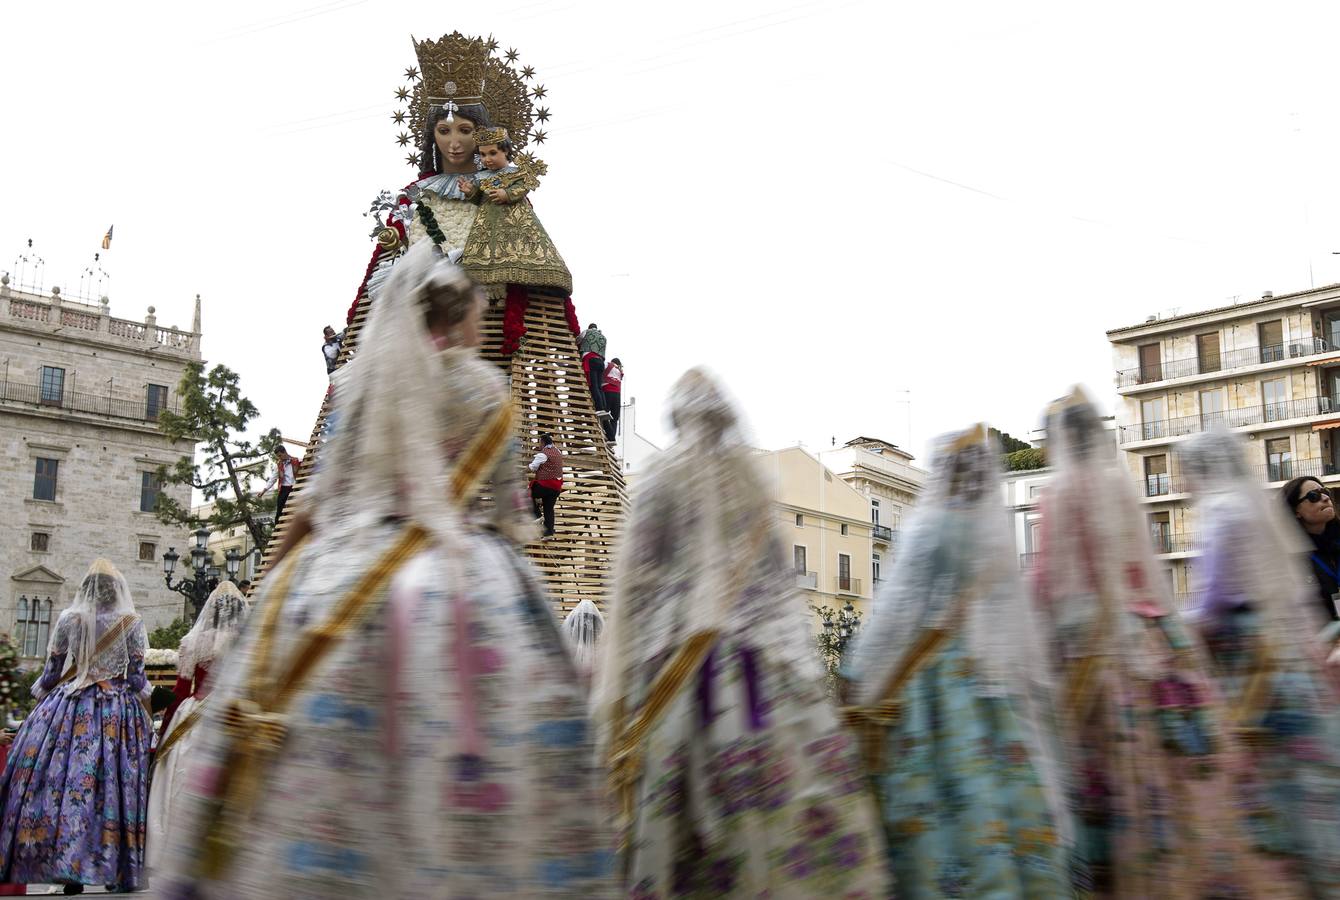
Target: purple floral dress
point(75, 790)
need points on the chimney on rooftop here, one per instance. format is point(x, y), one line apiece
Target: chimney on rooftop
point(1268, 295)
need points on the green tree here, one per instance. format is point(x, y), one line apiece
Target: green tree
point(10, 688)
point(215, 414)
point(1026, 459)
point(168, 637)
point(1008, 443)
point(23, 693)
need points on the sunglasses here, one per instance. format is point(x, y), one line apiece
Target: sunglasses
point(1313, 496)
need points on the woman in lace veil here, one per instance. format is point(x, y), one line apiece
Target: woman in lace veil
point(434, 740)
point(732, 775)
point(1150, 765)
point(581, 628)
point(201, 651)
point(1260, 621)
point(953, 698)
point(74, 792)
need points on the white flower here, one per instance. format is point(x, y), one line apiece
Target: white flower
point(158, 657)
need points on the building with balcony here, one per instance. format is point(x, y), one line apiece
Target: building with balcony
point(1267, 369)
point(1023, 491)
point(827, 524)
point(80, 395)
point(882, 473)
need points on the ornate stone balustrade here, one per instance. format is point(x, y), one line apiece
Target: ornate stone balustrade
point(54, 313)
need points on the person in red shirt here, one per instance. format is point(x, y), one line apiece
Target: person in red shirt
point(613, 387)
point(546, 482)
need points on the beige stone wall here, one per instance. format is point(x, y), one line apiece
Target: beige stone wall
point(101, 458)
point(802, 485)
point(88, 368)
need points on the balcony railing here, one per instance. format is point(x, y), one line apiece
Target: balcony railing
point(1161, 485)
point(882, 533)
point(807, 580)
point(847, 585)
point(1265, 413)
point(139, 409)
point(1284, 469)
point(1028, 560)
point(1174, 543)
point(1223, 362)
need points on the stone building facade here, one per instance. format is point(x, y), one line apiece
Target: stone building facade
point(884, 474)
point(827, 523)
point(1266, 369)
point(80, 392)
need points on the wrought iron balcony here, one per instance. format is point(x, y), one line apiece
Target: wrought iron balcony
point(142, 409)
point(1165, 542)
point(1223, 362)
point(1246, 416)
point(882, 533)
point(1284, 469)
point(846, 585)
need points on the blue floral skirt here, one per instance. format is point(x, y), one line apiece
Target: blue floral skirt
point(75, 791)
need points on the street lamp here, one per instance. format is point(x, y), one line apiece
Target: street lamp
point(203, 580)
point(232, 561)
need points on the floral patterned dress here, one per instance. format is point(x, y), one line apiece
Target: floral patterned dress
point(966, 810)
point(441, 749)
point(1286, 709)
point(75, 789)
point(1152, 768)
point(748, 785)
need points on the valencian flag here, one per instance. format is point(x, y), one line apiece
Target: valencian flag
point(107, 239)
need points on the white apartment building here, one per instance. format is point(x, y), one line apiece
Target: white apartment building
point(1023, 490)
point(883, 473)
point(80, 394)
point(1267, 369)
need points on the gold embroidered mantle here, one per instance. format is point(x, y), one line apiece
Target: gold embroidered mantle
point(508, 245)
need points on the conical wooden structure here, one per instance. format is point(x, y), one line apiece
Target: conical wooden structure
point(551, 396)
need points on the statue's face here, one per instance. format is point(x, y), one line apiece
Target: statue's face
point(456, 142)
point(492, 157)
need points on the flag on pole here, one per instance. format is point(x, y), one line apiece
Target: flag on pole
point(107, 239)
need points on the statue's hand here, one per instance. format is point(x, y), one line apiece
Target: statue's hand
point(498, 195)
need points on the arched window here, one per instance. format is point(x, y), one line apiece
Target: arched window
point(21, 625)
point(34, 625)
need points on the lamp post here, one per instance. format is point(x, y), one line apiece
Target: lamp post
point(205, 577)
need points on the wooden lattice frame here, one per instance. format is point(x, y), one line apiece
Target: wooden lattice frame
point(551, 396)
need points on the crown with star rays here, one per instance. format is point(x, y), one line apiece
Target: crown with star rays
point(460, 70)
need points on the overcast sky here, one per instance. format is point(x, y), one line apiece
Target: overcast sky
point(837, 205)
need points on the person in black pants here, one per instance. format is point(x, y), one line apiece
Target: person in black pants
point(547, 482)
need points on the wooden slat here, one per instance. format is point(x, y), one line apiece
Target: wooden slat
point(551, 396)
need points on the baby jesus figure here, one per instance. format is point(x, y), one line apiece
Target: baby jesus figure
point(507, 243)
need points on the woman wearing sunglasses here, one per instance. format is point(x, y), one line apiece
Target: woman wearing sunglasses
point(1310, 503)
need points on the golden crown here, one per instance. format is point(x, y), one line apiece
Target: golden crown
point(460, 71)
point(490, 136)
point(453, 69)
